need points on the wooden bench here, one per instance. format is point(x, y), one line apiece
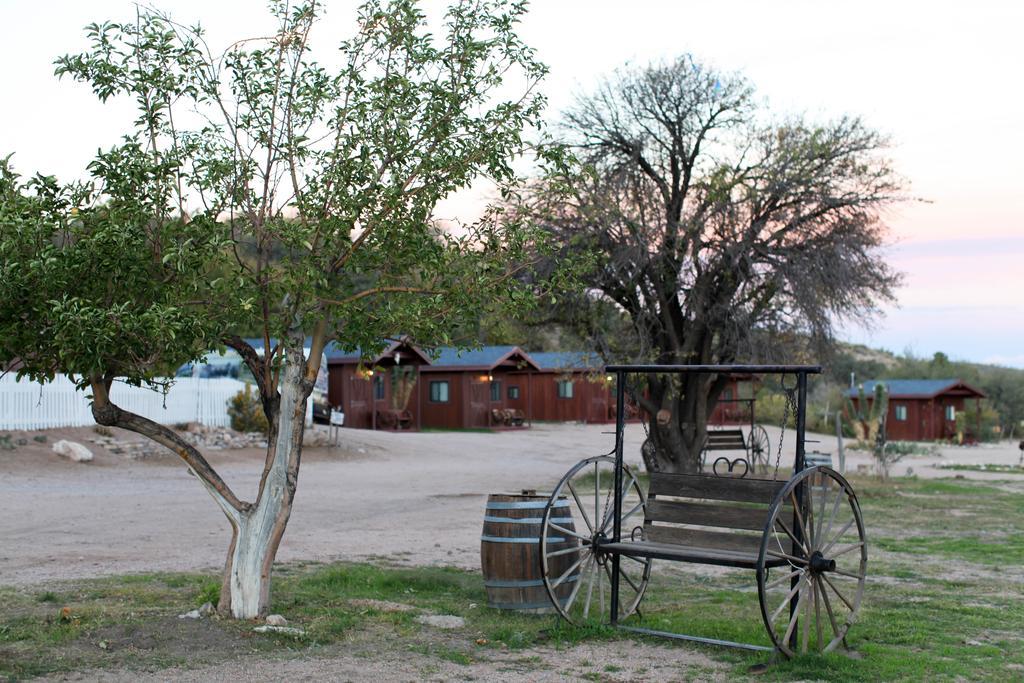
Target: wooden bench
point(390, 418)
point(725, 440)
point(508, 416)
point(814, 458)
point(704, 519)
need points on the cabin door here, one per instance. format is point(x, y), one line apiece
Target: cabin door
point(360, 393)
point(479, 403)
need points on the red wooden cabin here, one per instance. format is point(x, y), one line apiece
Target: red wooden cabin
point(570, 387)
point(364, 388)
point(925, 409)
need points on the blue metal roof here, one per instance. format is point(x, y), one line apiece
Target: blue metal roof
point(568, 360)
point(907, 388)
point(484, 357)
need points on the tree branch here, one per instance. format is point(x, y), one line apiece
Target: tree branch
point(108, 414)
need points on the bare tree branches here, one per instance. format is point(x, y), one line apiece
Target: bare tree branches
point(717, 231)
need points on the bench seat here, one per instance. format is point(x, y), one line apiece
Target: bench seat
point(689, 553)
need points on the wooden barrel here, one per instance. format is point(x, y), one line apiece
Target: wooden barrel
point(510, 552)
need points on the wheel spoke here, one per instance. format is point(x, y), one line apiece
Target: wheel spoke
point(789, 596)
point(609, 509)
point(846, 527)
point(565, 575)
point(782, 579)
point(820, 592)
point(636, 508)
point(564, 551)
point(792, 536)
point(806, 604)
point(624, 575)
point(838, 594)
point(579, 503)
point(793, 618)
point(809, 502)
point(821, 513)
point(799, 515)
point(786, 556)
point(832, 515)
point(591, 566)
point(851, 575)
point(568, 532)
point(817, 615)
point(831, 617)
point(846, 549)
point(579, 584)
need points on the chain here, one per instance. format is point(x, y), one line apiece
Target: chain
point(787, 407)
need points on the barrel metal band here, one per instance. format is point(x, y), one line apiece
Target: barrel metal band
point(521, 605)
point(527, 505)
point(523, 583)
point(518, 539)
point(527, 520)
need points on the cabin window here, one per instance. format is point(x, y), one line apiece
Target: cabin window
point(901, 413)
point(378, 387)
point(439, 392)
point(513, 393)
point(565, 388)
point(495, 390)
point(951, 413)
point(727, 395)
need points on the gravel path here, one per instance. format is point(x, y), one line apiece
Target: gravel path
point(408, 498)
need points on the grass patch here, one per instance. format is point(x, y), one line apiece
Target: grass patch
point(984, 467)
point(919, 621)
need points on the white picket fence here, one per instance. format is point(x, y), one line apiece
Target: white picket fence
point(30, 405)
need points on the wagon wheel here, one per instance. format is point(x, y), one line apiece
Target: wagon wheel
point(820, 555)
point(576, 573)
point(758, 449)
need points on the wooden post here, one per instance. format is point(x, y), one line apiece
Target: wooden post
point(419, 401)
point(529, 396)
point(839, 439)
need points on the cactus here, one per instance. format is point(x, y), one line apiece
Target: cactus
point(867, 417)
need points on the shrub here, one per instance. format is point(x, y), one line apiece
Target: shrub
point(246, 412)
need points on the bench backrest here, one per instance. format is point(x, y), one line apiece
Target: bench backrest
point(725, 440)
point(703, 510)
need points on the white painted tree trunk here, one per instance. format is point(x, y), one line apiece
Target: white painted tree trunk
point(258, 530)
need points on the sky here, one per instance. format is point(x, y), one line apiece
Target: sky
point(942, 79)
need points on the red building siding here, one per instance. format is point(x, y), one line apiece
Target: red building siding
point(926, 417)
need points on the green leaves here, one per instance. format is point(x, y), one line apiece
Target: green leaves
point(259, 190)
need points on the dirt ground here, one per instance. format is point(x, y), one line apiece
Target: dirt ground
point(407, 498)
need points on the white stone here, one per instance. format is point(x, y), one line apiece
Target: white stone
point(441, 620)
point(207, 609)
point(276, 620)
point(280, 629)
point(194, 614)
point(72, 450)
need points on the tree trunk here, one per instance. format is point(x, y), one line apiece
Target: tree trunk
point(257, 531)
point(256, 528)
point(678, 409)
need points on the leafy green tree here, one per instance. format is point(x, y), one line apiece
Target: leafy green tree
point(261, 190)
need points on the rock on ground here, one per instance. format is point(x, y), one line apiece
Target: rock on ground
point(72, 450)
point(441, 620)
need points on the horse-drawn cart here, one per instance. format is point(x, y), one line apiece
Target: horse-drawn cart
point(802, 537)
